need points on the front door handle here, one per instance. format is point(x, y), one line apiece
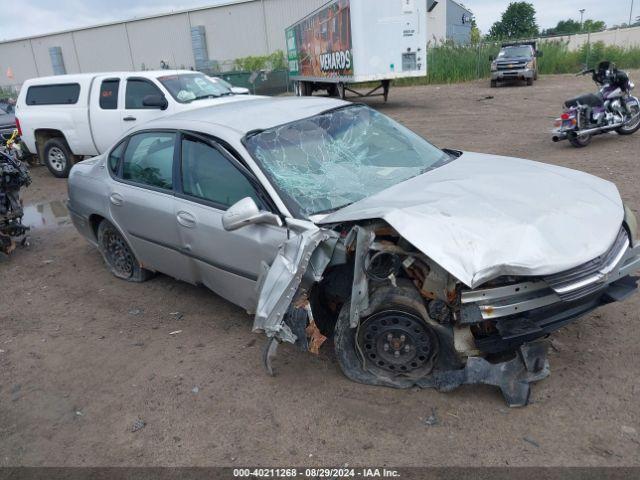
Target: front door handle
point(186, 219)
point(129, 119)
point(116, 199)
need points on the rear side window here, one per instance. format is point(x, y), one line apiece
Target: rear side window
point(109, 94)
point(137, 90)
point(60, 94)
point(148, 159)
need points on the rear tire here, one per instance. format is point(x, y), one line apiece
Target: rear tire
point(633, 128)
point(57, 157)
point(118, 255)
point(580, 142)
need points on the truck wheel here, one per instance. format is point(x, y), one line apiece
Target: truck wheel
point(535, 76)
point(57, 157)
point(118, 256)
point(529, 82)
point(494, 83)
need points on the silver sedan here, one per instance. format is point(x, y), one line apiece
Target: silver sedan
point(428, 267)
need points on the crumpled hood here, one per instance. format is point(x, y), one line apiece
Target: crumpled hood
point(484, 216)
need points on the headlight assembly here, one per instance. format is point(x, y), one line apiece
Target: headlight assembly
point(632, 224)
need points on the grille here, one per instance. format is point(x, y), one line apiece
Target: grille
point(512, 66)
point(586, 278)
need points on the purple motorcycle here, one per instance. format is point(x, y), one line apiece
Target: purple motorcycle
point(613, 108)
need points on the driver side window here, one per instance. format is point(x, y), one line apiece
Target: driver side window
point(208, 175)
point(137, 89)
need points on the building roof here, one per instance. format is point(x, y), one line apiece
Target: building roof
point(129, 20)
point(249, 113)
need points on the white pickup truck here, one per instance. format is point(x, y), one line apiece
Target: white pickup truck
point(67, 117)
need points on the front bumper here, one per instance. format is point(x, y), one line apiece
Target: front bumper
point(519, 313)
point(522, 74)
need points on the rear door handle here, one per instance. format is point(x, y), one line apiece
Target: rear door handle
point(129, 119)
point(116, 199)
point(186, 219)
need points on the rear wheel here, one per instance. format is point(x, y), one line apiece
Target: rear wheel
point(580, 141)
point(118, 255)
point(633, 126)
point(57, 157)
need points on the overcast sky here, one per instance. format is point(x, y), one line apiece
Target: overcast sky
point(34, 17)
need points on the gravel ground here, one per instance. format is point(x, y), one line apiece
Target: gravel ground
point(84, 356)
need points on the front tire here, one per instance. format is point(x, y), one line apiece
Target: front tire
point(118, 255)
point(633, 127)
point(529, 82)
point(57, 157)
point(494, 84)
point(394, 344)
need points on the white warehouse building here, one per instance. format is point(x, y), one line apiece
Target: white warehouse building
point(199, 38)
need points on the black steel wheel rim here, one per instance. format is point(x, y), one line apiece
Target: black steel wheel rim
point(397, 342)
point(118, 254)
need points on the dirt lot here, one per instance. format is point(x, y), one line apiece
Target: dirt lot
point(83, 355)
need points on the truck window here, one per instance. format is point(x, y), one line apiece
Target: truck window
point(148, 159)
point(58, 94)
point(109, 94)
point(137, 89)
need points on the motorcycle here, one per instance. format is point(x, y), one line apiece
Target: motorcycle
point(613, 108)
point(14, 175)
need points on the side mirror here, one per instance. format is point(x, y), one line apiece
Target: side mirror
point(538, 54)
point(155, 101)
point(245, 212)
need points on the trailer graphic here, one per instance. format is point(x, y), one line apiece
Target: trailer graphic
point(320, 45)
point(347, 42)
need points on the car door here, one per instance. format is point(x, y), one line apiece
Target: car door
point(106, 111)
point(141, 201)
point(210, 181)
point(135, 112)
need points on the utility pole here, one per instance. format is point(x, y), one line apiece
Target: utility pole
point(631, 13)
point(582, 10)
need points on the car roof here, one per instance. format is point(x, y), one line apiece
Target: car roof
point(257, 113)
point(78, 77)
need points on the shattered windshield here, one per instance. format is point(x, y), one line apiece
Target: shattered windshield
point(186, 88)
point(336, 158)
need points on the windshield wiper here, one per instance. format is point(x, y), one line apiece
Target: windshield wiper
point(202, 97)
point(333, 209)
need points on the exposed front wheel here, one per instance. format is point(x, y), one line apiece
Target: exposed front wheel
point(580, 141)
point(393, 346)
point(57, 157)
point(118, 255)
point(634, 125)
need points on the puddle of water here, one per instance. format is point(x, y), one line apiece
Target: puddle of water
point(46, 215)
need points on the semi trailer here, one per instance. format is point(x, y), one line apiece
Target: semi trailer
point(347, 42)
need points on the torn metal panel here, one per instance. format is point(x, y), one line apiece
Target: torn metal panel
point(483, 216)
point(307, 253)
point(360, 288)
point(513, 377)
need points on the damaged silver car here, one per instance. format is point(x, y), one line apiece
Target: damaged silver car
point(428, 267)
